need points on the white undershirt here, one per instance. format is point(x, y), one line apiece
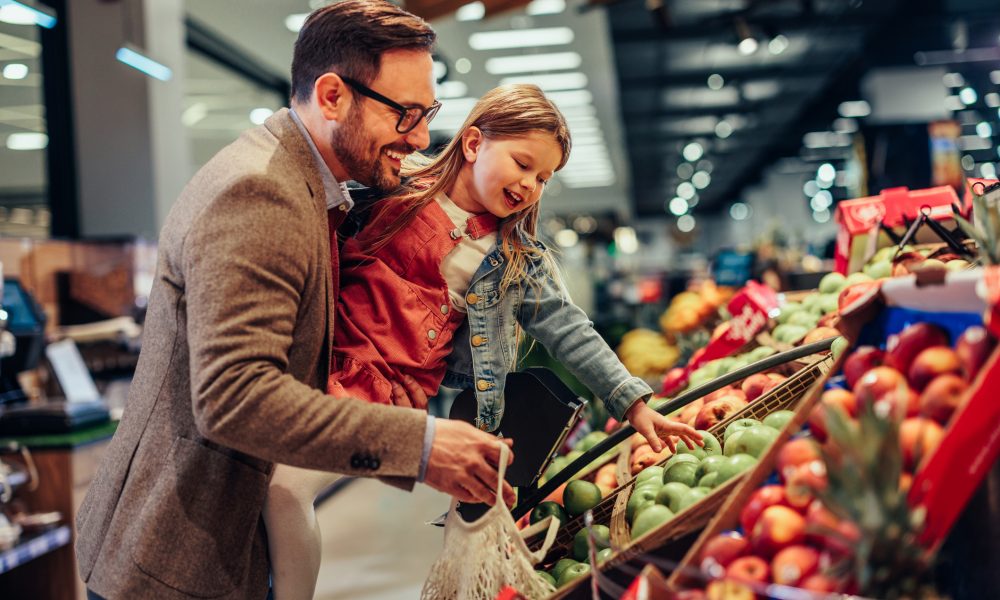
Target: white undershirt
point(461, 263)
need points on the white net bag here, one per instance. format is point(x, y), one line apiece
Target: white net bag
point(482, 557)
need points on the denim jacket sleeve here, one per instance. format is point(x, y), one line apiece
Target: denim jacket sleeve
point(549, 316)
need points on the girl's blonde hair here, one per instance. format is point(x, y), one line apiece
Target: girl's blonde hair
point(508, 111)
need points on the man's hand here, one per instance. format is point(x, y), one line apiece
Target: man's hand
point(463, 463)
point(409, 394)
point(654, 427)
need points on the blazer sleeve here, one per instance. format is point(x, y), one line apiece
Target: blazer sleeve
point(245, 261)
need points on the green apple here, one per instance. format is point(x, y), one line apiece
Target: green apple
point(602, 540)
point(654, 472)
point(839, 346)
point(605, 554)
point(790, 333)
point(788, 310)
point(760, 353)
point(558, 464)
point(957, 265)
point(709, 480)
point(547, 509)
point(733, 466)
point(738, 425)
point(671, 493)
point(573, 572)
point(561, 565)
point(753, 441)
point(832, 283)
point(828, 303)
point(639, 497)
point(711, 446)
point(710, 464)
point(650, 519)
point(803, 318)
point(878, 270)
point(778, 419)
point(691, 496)
point(546, 578)
point(673, 460)
point(856, 278)
point(685, 472)
point(590, 440)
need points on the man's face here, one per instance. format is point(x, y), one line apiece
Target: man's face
point(367, 143)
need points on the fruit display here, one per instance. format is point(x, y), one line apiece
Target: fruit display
point(647, 353)
point(835, 515)
point(693, 308)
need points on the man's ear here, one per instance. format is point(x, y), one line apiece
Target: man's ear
point(332, 97)
point(472, 142)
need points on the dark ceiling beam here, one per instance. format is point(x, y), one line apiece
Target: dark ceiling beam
point(732, 75)
point(632, 114)
point(626, 36)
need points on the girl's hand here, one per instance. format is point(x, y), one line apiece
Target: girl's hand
point(658, 429)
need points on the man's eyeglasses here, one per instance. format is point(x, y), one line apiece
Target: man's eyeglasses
point(409, 116)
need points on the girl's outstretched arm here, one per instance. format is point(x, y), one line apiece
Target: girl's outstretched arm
point(656, 427)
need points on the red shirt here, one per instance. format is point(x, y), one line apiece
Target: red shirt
point(394, 315)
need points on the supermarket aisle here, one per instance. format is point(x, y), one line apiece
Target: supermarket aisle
point(375, 543)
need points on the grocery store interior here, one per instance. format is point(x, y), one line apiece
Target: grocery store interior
point(749, 179)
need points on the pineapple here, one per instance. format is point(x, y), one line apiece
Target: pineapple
point(863, 466)
point(986, 229)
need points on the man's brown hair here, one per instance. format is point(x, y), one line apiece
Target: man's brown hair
point(349, 39)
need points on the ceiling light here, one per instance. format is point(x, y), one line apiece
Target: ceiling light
point(968, 96)
point(968, 163)
point(21, 13)
point(585, 224)
point(992, 99)
point(520, 38)
point(259, 115)
point(995, 77)
point(440, 70)
point(626, 240)
point(686, 223)
point(739, 211)
point(810, 188)
point(532, 63)
point(693, 151)
point(452, 89)
point(826, 139)
point(777, 45)
point(826, 172)
point(701, 180)
point(590, 183)
point(821, 201)
point(705, 165)
point(716, 81)
point(685, 170)
point(678, 206)
point(954, 103)
point(193, 114)
point(571, 98)
point(567, 238)
point(545, 7)
point(551, 81)
point(463, 65)
point(295, 21)
point(135, 58)
point(27, 141)
point(821, 216)
point(747, 46)
point(854, 108)
point(15, 71)
point(984, 130)
point(845, 125)
point(954, 80)
point(685, 190)
point(988, 171)
point(723, 129)
point(472, 11)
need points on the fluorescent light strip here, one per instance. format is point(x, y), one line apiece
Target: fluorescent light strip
point(574, 112)
point(520, 38)
point(21, 13)
point(142, 63)
point(473, 11)
point(27, 141)
point(571, 98)
point(533, 63)
point(590, 184)
point(452, 89)
point(545, 7)
point(552, 81)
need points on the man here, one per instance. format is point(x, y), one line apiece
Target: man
point(239, 326)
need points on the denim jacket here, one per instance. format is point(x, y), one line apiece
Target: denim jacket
point(484, 348)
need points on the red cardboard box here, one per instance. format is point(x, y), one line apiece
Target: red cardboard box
point(858, 220)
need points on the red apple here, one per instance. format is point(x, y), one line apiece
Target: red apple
point(903, 347)
point(753, 386)
point(877, 382)
point(720, 551)
point(749, 569)
point(725, 391)
point(717, 411)
point(776, 528)
point(794, 453)
point(820, 523)
point(942, 397)
point(689, 413)
point(918, 437)
point(769, 495)
point(902, 402)
point(862, 360)
point(793, 564)
point(820, 333)
point(775, 382)
point(842, 398)
point(804, 482)
point(933, 361)
point(817, 422)
point(974, 347)
point(819, 583)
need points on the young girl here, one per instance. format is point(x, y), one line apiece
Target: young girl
point(439, 285)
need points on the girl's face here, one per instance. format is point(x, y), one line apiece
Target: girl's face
point(508, 175)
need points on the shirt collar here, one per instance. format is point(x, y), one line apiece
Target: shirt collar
point(336, 193)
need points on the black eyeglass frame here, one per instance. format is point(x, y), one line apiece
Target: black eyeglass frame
point(425, 113)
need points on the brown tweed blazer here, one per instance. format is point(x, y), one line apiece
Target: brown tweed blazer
point(234, 358)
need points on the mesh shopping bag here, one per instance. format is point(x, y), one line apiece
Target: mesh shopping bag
point(481, 557)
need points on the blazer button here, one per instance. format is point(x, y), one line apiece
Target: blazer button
point(444, 309)
point(478, 340)
point(472, 299)
point(482, 385)
point(432, 334)
point(356, 461)
point(375, 464)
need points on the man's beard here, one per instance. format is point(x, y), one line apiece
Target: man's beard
point(357, 152)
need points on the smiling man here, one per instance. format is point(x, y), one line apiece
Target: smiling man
point(237, 336)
